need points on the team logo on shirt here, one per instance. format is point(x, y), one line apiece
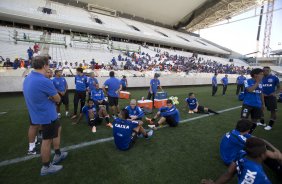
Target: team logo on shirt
point(270, 80)
point(122, 126)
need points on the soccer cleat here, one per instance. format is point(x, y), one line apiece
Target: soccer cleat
point(109, 125)
point(191, 112)
point(67, 114)
point(267, 128)
point(74, 116)
point(50, 170)
point(58, 158)
point(150, 134)
point(94, 129)
point(140, 135)
point(151, 126)
point(32, 152)
point(149, 121)
point(59, 115)
point(260, 124)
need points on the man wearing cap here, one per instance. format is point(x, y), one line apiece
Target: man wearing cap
point(61, 86)
point(154, 85)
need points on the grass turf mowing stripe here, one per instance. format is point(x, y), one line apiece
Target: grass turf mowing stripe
point(85, 144)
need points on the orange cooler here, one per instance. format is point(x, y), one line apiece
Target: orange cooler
point(145, 104)
point(158, 103)
point(124, 95)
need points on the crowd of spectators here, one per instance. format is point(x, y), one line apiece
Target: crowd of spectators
point(161, 61)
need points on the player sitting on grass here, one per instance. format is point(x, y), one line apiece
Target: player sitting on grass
point(135, 112)
point(194, 106)
point(249, 169)
point(97, 95)
point(233, 144)
point(125, 131)
point(93, 117)
point(168, 114)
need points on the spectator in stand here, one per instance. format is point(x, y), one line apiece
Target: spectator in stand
point(36, 48)
point(240, 83)
point(114, 63)
point(214, 84)
point(224, 82)
point(30, 53)
point(16, 64)
point(124, 83)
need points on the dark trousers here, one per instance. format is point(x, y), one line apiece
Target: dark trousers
point(151, 95)
point(224, 88)
point(274, 165)
point(79, 96)
point(214, 90)
point(240, 88)
point(103, 103)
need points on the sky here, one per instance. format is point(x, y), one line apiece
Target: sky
point(241, 36)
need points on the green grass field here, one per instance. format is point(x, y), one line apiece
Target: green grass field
point(185, 154)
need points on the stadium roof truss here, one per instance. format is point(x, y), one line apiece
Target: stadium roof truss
point(215, 11)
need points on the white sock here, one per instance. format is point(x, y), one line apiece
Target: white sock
point(31, 146)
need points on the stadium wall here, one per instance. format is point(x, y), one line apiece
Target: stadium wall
point(14, 84)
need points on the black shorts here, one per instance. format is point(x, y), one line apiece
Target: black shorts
point(123, 88)
point(95, 122)
point(50, 131)
point(201, 109)
point(170, 121)
point(256, 112)
point(113, 101)
point(270, 103)
point(64, 99)
point(133, 139)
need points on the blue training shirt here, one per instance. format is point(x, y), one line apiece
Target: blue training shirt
point(123, 82)
point(224, 81)
point(155, 83)
point(231, 145)
point(97, 94)
point(214, 81)
point(249, 171)
point(60, 83)
point(137, 111)
point(173, 112)
point(192, 103)
point(80, 83)
point(241, 79)
point(92, 83)
point(269, 84)
point(122, 132)
point(113, 85)
point(252, 98)
point(37, 89)
point(86, 109)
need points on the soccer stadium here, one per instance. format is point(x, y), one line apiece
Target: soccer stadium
point(101, 91)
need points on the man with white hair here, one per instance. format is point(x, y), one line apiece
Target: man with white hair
point(135, 112)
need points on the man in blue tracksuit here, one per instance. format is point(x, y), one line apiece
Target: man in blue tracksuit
point(135, 112)
point(97, 95)
point(224, 82)
point(214, 84)
point(80, 81)
point(240, 83)
point(168, 114)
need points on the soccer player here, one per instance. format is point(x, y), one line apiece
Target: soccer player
point(224, 82)
point(253, 102)
point(97, 95)
point(80, 81)
point(40, 97)
point(135, 112)
point(249, 169)
point(92, 82)
point(114, 88)
point(240, 83)
point(93, 116)
point(61, 86)
point(154, 85)
point(125, 131)
point(168, 114)
point(214, 84)
point(194, 106)
point(124, 83)
point(270, 88)
point(233, 142)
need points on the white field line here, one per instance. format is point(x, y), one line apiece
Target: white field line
point(1, 113)
point(85, 144)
